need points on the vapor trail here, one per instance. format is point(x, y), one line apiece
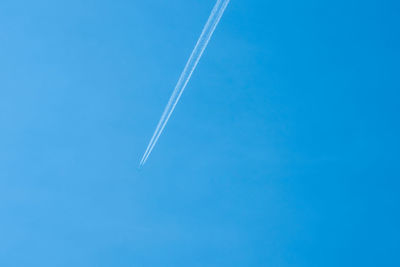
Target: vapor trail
point(187, 72)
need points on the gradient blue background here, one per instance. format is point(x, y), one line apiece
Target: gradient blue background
point(284, 150)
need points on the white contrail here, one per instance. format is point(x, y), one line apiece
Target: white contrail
point(194, 59)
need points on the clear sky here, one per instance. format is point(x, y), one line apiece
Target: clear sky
point(282, 152)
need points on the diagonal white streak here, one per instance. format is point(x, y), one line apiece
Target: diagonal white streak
point(187, 72)
point(180, 82)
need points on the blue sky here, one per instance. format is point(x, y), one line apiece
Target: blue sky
point(282, 152)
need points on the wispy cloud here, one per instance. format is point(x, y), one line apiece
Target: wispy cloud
point(191, 64)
